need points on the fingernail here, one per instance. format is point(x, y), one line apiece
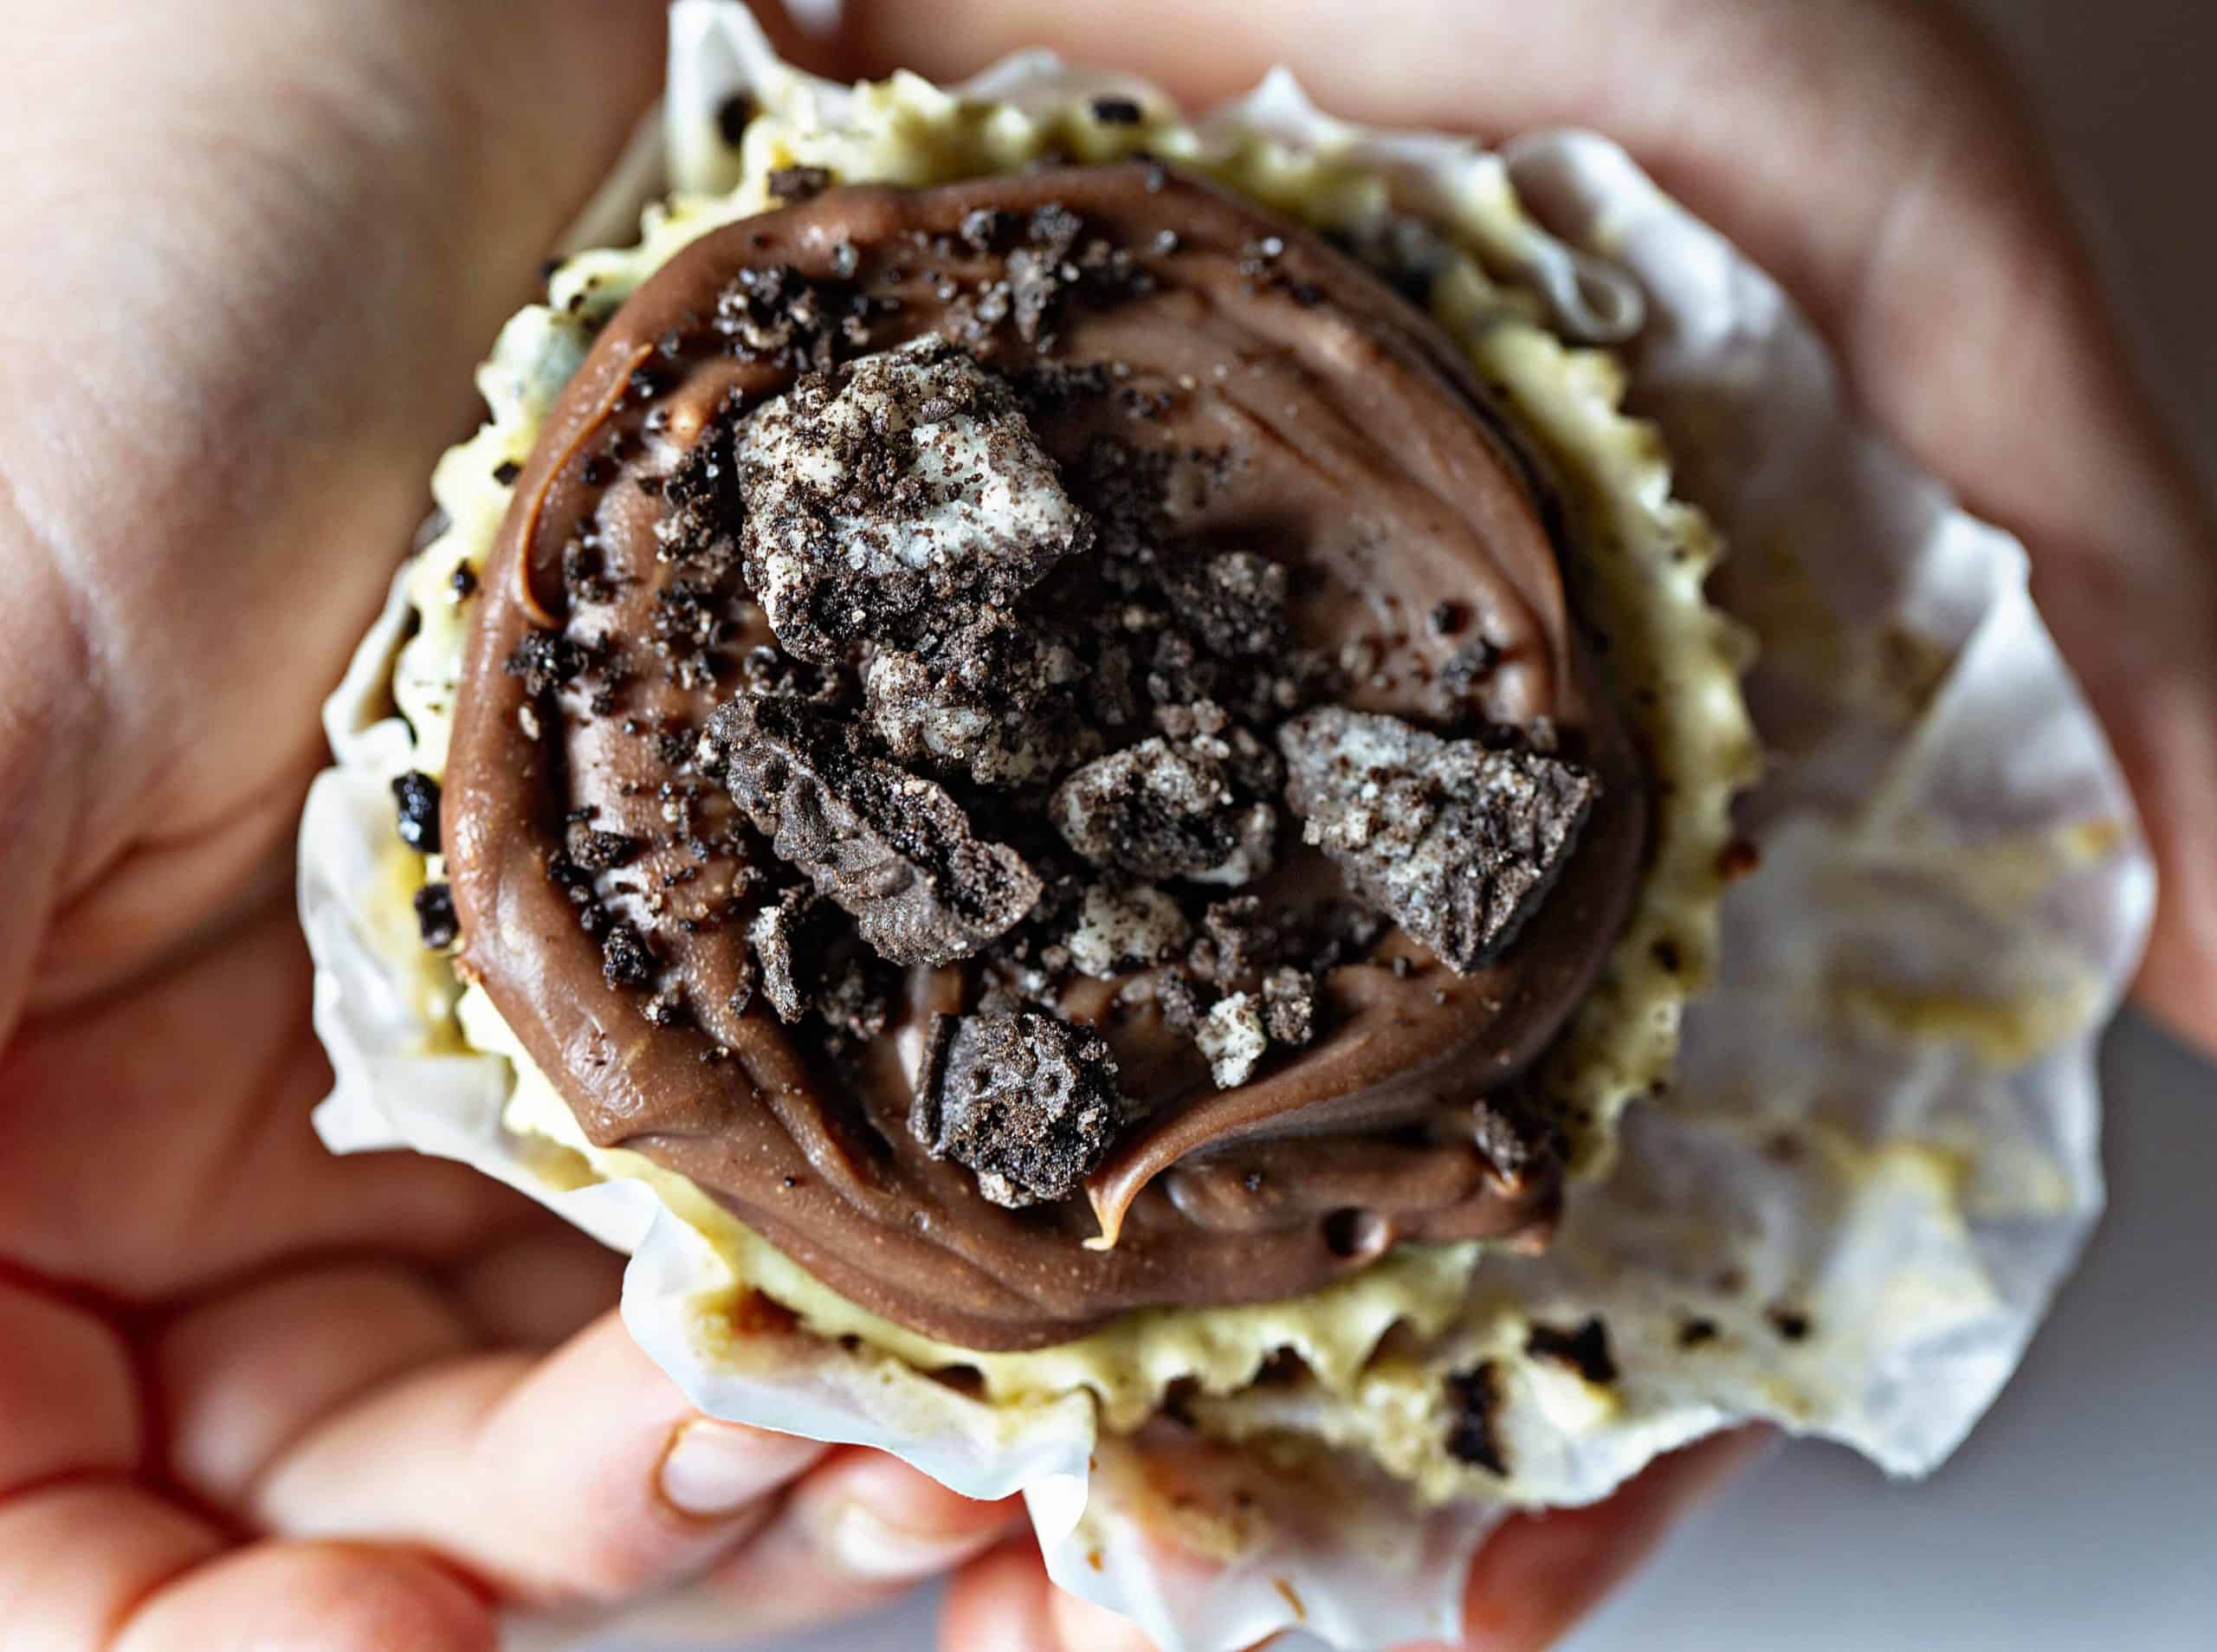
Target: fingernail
point(713, 1469)
point(870, 1548)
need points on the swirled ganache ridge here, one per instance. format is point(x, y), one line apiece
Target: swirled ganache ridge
point(1027, 737)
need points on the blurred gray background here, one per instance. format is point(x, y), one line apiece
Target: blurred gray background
point(2082, 1516)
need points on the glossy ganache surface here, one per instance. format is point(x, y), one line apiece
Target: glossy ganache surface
point(1032, 710)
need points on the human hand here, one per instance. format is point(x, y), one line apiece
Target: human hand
point(140, 820)
point(251, 1394)
point(1869, 154)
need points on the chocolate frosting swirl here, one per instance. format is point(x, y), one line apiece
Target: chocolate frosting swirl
point(1292, 403)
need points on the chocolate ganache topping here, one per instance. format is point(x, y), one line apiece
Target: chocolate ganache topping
point(1027, 737)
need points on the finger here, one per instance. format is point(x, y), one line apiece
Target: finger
point(196, 1102)
point(582, 1477)
point(540, 1287)
point(999, 1603)
point(1081, 1626)
point(241, 1377)
point(1913, 215)
point(68, 1403)
point(358, 194)
point(312, 1597)
point(876, 1520)
point(76, 1558)
point(1539, 1573)
point(857, 1531)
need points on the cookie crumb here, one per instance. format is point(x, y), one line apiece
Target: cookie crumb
point(625, 959)
point(1029, 1103)
point(1165, 809)
point(1232, 1038)
point(1474, 1399)
point(435, 916)
point(415, 800)
point(1458, 842)
point(773, 935)
point(877, 496)
point(1120, 929)
point(1584, 1349)
point(892, 849)
point(794, 183)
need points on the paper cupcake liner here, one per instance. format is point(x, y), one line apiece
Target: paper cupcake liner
point(1880, 1154)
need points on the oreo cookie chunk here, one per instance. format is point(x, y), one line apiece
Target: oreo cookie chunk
point(994, 701)
point(1179, 804)
point(1233, 1039)
point(1028, 1102)
point(890, 848)
point(1456, 843)
point(878, 494)
point(1234, 603)
point(1114, 930)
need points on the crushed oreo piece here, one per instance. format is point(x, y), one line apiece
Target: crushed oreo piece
point(462, 584)
point(1053, 259)
point(1234, 602)
point(507, 471)
point(1166, 808)
point(983, 228)
point(435, 916)
point(1512, 1143)
point(791, 183)
point(1584, 1350)
point(1459, 843)
point(667, 1007)
point(994, 700)
point(777, 315)
point(892, 849)
point(878, 496)
point(1406, 252)
point(1028, 1102)
point(626, 959)
point(1474, 1400)
point(1232, 1038)
point(703, 505)
point(1177, 1002)
point(1460, 678)
point(1234, 939)
point(415, 800)
point(1120, 929)
point(1212, 732)
point(1289, 1005)
point(773, 935)
point(546, 660)
point(855, 998)
point(593, 850)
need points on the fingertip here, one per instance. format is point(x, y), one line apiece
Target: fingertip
point(584, 1476)
point(68, 1404)
point(713, 1469)
point(1542, 1571)
point(876, 1520)
point(313, 1597)
point(1081, 1626)
point(999, 1603)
